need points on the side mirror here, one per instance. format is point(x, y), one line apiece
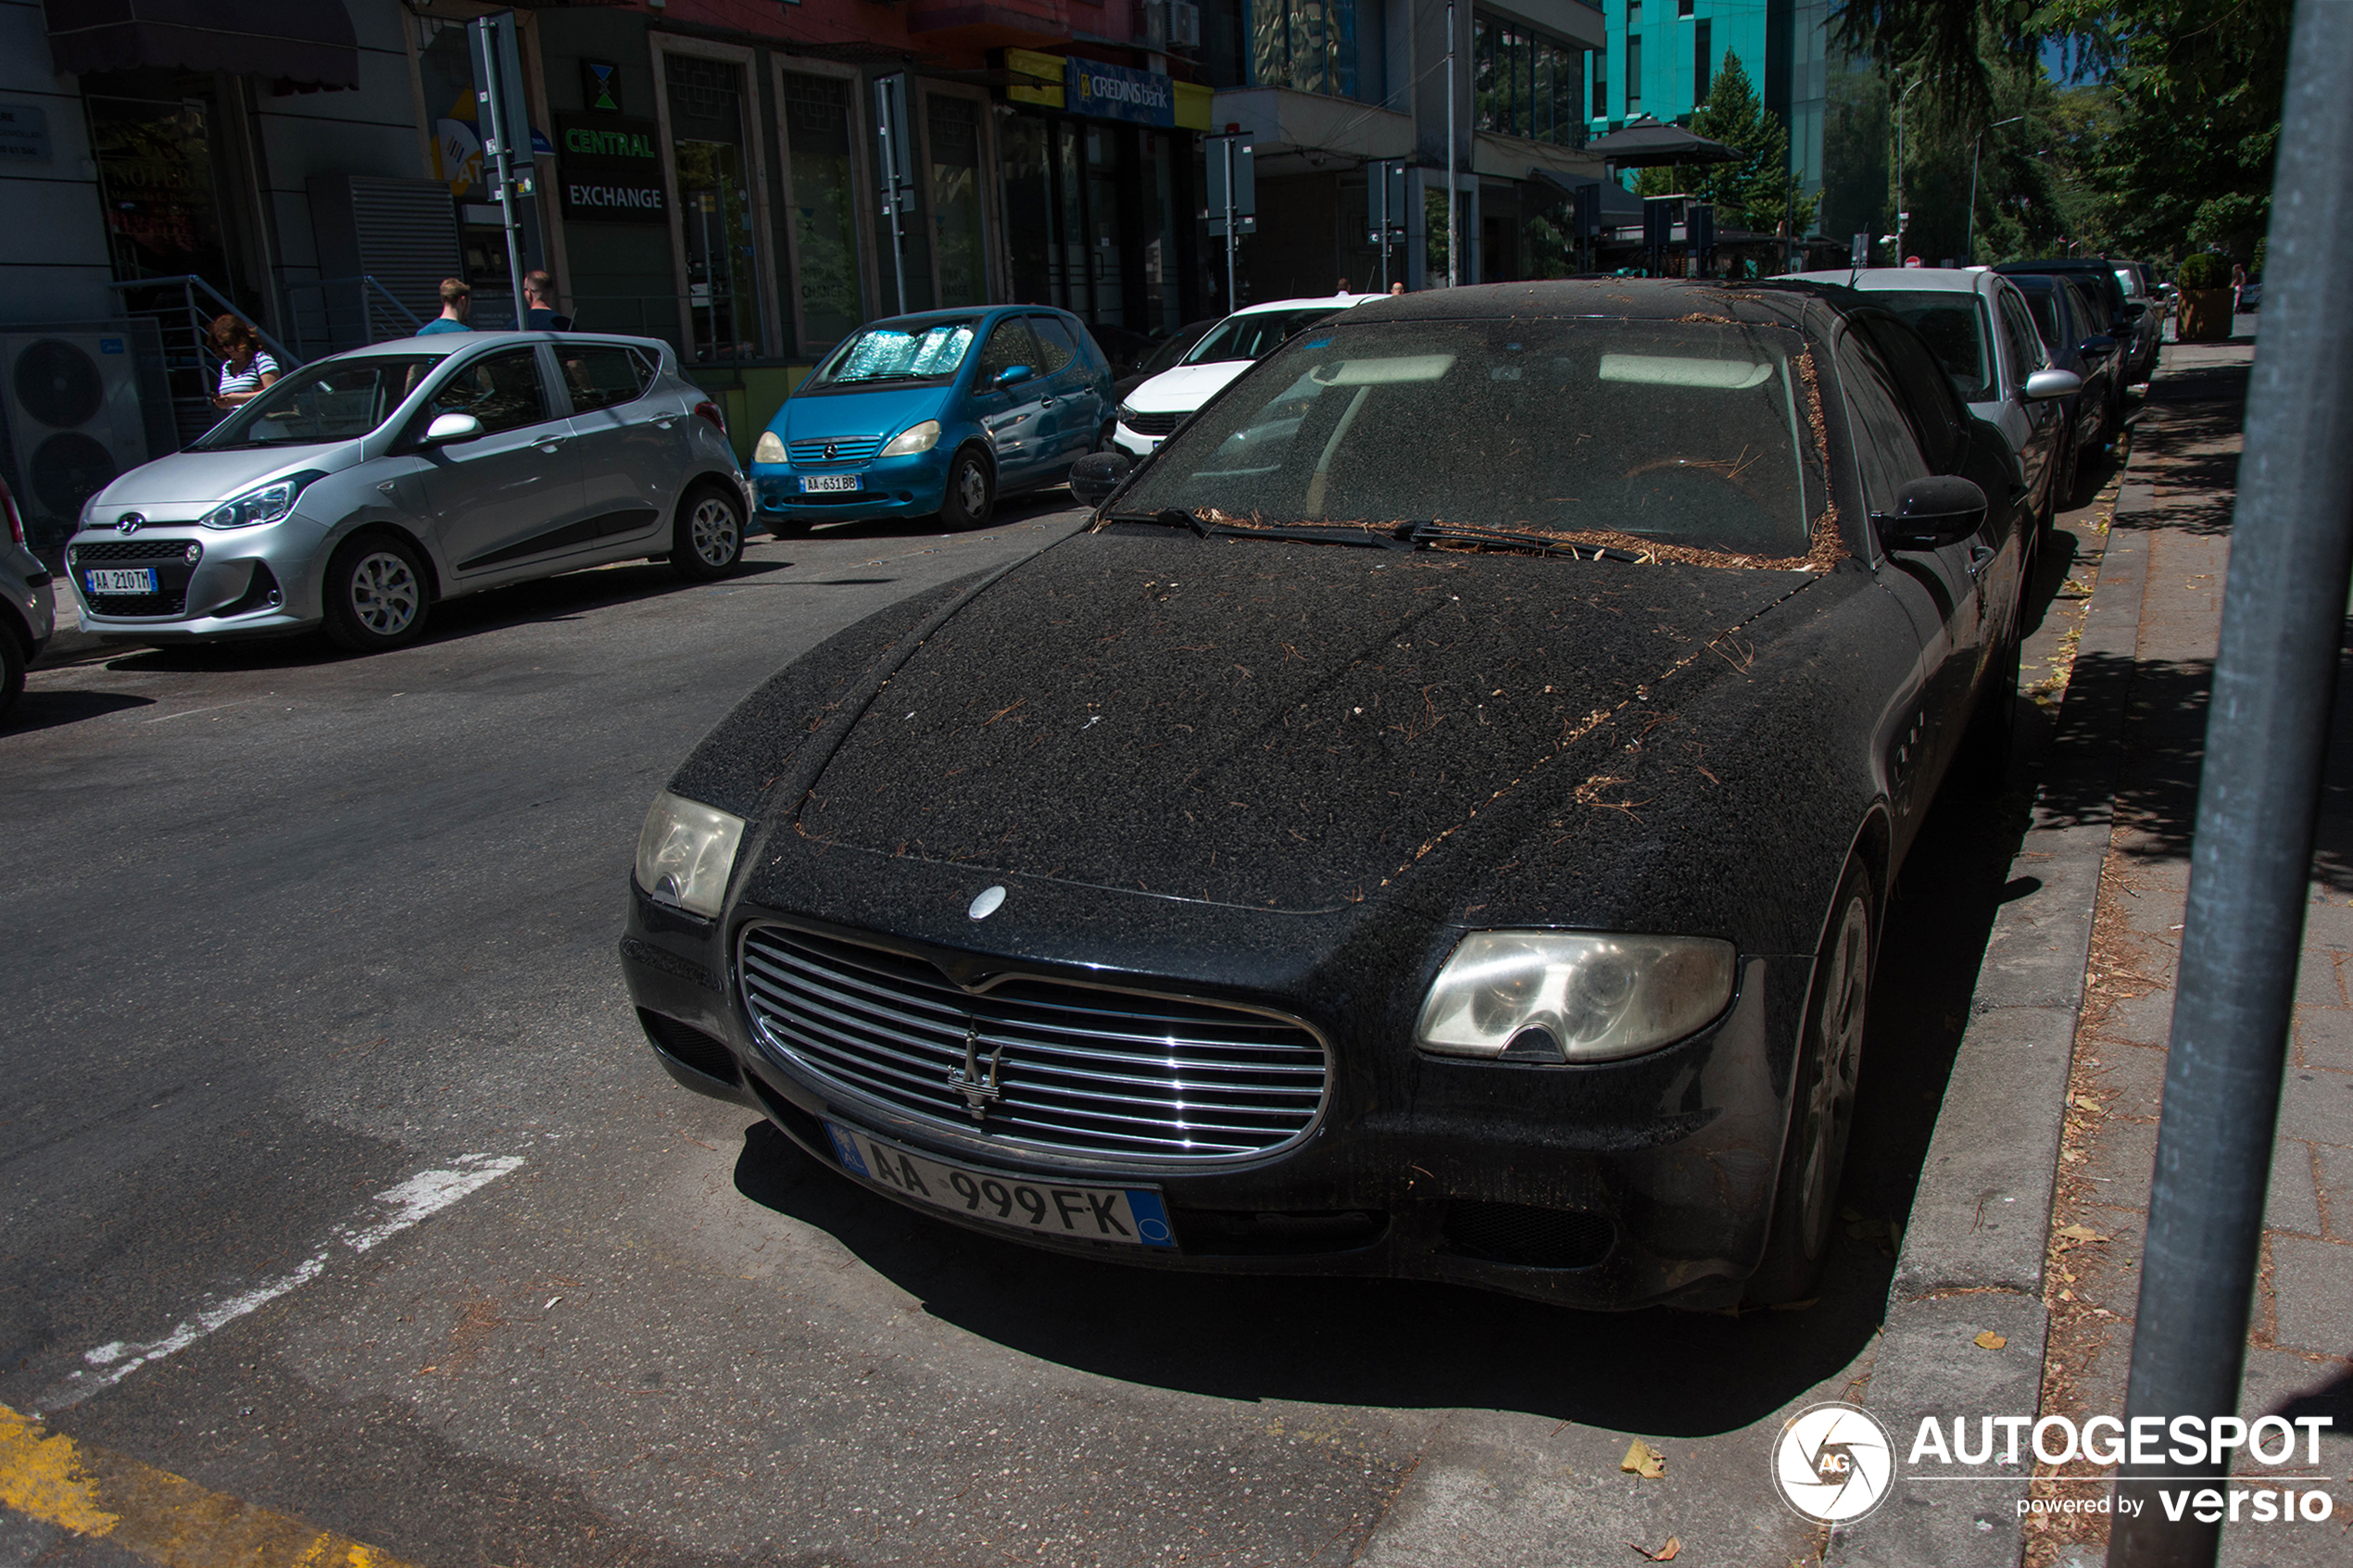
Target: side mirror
point(2052, 382)
point(1094, 476)
point(2132, 311)
point(446, 428)
point(2092, 348)
point(1932, 513)
point(1012, 373)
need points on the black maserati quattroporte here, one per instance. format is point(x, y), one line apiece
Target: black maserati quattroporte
point(1433, 821)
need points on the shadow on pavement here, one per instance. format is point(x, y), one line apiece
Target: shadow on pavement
point(37, 709)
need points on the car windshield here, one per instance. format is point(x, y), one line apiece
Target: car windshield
point(1168, 353)
point(1254, 336)
point(912, 351)
point(1956, 327)
point(1685, 434)
point(334, 400)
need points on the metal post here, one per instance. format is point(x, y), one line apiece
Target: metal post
point(2251, 857)
point(1900, 213)
point(1452, 243)
point(1233, 239)
point(488, 104)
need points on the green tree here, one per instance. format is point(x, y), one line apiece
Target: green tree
point(1757, 191)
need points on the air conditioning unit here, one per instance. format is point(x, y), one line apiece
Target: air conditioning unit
point(74, 419)
point(1184, 25)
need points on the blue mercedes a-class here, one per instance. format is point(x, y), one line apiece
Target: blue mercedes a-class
point(940, 412)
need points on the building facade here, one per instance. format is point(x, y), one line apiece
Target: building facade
point(1662, 55)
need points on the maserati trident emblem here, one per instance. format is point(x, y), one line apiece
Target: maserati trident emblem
point(128, 522)
point(977, 1086)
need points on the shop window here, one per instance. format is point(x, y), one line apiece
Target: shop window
point(1310, 45)
point(1702, 75)
point(962, 249)
point(155, 173)
point(1633, 74)
point(1523, 85)
point(712, 167)
point(817, 152)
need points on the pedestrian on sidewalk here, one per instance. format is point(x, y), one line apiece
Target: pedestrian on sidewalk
point(539, 299)
point(457, 298)
point(246, 367)
point(2238, 286)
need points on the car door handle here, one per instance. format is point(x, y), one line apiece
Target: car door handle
point(1980, 558)
point(548, 442)
point(1045, 403)
point(665, 422)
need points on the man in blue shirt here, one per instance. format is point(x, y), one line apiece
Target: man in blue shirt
point(539, 303)
point(457, 298)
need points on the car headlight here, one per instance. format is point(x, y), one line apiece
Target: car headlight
point(1125, 414)
point(266, 505)
point(1552, 996)
point(767, 449)
point(913, 439)
point(686, 852)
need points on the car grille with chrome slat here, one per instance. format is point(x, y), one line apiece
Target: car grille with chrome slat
point(846, 450)
point(1082, 1071)
point(99, 552)
point(1152, 424)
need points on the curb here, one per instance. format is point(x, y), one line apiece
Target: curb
point(1975, 1249)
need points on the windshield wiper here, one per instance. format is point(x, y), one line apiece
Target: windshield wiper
point(1421, 532)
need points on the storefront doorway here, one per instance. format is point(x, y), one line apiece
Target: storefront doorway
point(1092, 211)
point(709, 162)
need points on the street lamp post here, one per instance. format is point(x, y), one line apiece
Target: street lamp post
point(1901, 215)
point(1969, 241)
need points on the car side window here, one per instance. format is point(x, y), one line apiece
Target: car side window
point(1884, 448)
point(1054, 344)
point(1925, 393)
point(599, 376)
point(1008, 345)
point(501, 390)
point(2027, 355)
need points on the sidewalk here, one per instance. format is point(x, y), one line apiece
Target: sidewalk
point(2179, 500)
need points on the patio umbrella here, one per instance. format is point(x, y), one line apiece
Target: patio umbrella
point(1647, 142)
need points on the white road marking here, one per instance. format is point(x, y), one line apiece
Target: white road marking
point(413, 1201)
point(189, 712)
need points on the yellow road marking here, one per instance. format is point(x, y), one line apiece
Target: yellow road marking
point(156, 1515)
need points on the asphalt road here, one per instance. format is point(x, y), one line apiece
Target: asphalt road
point(335, 1176)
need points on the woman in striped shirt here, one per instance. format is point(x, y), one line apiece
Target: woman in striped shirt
point(246, 366)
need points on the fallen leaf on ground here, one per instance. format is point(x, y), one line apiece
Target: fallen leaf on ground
point(1989, 1340)
point(1643, 1460)
point(1667, 1553)
point(2076, 1235)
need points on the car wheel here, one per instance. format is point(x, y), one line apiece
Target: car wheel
point(1830, 1063)
point(972, 494)
point(375, 595)
point(12, 662)
point(2070, 461)
point(709, 538)
point(1992, 729)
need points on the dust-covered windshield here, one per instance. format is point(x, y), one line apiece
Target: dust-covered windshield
point(1687, 433)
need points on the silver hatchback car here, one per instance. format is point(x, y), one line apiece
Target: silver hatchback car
point(362, 488)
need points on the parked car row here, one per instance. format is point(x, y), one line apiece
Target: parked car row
point(1435, 819)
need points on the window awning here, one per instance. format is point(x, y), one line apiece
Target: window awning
point(294, 45)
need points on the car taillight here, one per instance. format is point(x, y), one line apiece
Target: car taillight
point(8, 509)
point(712, 412)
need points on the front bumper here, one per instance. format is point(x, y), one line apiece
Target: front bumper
point(913, 486)
point(261, 581)
point(1608, 1186)
point(1135, 446)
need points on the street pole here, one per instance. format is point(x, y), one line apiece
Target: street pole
point(2251, 855)
point(1901, 214)
point(1232, 239)
point(1453, 251)
point(490, 108)
point(1969, 241)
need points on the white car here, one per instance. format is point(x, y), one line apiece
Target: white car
point(1154, 411)
point(1981, 327)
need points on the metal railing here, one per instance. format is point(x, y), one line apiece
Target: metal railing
point(184, 307)
point(329, 314)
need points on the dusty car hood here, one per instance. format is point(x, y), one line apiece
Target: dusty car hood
point(203, 479)
point(1271, 725)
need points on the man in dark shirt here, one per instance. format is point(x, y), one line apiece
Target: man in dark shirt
point(539, 302)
